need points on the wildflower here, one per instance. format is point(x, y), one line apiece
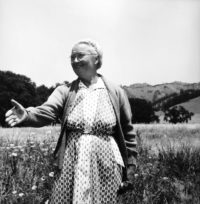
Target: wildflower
point(136, 175)
point(149, 164)
point(21, 194)
point(18, 147)
point(22, 149)
point(14, 192)
point(44, 149)
point(32, 143)
point(165, 178)
point(45, 153)
point(12, 145)
point(42, 178)
point(144, 174)
point(51, 174)
point(14, 154)
point(46, 202)
point(34, 187)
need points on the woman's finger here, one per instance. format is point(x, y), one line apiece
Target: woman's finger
point(9, 122)
point(11, 117)
point(10, 112)
point(13, 122)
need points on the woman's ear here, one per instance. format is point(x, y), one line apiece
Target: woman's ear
point(97, 60)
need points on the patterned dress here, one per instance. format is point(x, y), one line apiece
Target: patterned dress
point(91, 172)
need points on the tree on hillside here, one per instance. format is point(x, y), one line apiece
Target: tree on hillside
point(177, 114)
point(18, 87)
point(173, 99)
point(142, 111)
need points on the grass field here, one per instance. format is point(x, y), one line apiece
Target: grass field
point(168, 168)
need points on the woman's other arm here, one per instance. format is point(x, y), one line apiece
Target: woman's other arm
point(128, 130)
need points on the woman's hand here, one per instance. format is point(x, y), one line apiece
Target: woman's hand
point(130, 172)
point(128, 185)
point(16, 115)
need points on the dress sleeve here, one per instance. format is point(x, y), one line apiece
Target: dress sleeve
point(49, 111)
point(127, 128)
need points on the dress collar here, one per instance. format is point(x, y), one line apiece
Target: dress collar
point(98, 85)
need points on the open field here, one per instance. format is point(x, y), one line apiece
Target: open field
point(168, 168)
point(151, 133)
point(158, 136)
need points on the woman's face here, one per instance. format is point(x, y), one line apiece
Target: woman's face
point(84, 60)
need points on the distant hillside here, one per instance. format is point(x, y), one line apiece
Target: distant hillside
point(160, 91)
point(192, 105)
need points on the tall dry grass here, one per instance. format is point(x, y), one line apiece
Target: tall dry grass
point(168, 168)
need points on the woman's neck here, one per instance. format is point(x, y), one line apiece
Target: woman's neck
point(92, 80)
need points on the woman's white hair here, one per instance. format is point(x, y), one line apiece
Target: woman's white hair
point(96, 47)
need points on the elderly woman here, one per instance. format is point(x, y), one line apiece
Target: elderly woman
point(97, 142)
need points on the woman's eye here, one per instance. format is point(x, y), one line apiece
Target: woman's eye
point(79, 56)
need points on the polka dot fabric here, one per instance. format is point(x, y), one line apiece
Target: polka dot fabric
point(92, 167)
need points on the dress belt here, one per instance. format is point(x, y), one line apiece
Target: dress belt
point(87, 132)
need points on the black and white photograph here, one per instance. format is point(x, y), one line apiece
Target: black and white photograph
point(100, 102)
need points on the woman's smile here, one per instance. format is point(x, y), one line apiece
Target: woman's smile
point(77, 65)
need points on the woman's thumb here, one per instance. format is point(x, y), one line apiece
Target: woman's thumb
point(16, 104)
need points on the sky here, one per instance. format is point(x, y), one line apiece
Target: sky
point(143, 41)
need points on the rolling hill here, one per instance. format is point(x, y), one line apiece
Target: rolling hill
point(192, 105)
point(160, 91)
point(161, 94)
